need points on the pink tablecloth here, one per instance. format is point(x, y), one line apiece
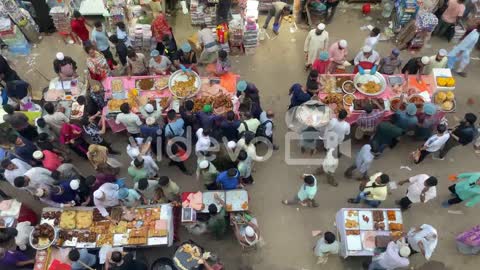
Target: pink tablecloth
point(387, 94)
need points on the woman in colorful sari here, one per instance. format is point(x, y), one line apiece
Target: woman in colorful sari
point(71, 135)
point(97, 64)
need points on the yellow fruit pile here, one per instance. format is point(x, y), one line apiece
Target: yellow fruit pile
point(445, 100)
point(446, 81)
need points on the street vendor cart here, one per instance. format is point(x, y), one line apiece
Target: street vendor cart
point(361, 231)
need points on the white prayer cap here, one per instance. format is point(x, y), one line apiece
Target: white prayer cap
point(367, 49)
point(442, 52)
point(321, 26)
point(39, 192)
point(425, 60)
point(404, 251)
point(37, 155)
point(148, 108)
point(60, 56)
point(150, 120)
point(343, 43)
point(203, 164)
point(249, 231)
point(98, 194)
point(74, 184)
point(231, 144)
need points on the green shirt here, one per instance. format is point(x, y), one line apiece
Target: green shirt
point(308, 192)
point(217, 224)
point(171, 191)
point(136, 173)
point(468, 189)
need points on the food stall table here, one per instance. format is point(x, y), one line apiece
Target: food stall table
point(358, 228)
point(64, 93)
point(429, 87)
point(236, 200)
point(10, 212)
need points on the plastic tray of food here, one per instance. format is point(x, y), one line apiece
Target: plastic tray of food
point(145, 84)
point(365, 219)
point(351, 220)
point(161, 83)
point(236, 200)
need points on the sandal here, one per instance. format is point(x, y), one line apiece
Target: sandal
point(351, 200)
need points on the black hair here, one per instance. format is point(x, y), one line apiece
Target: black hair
point(171, 114)
point(121, 25)
point(230, 116)
point(368, 108)
point(116, 256)
point(212, 209)
point(82, 100)
point(49, 108)
point(286, 8)
point(163, 180)
point(431, 181)
point(138, 162)
point(42, 137)
point(77, 14)
point(87, 48)
point(8, 108)
point(125, 108)
point(310, 180)
point(131, 53)
point(313, 73)
point(56, 175)
point(90, 180)
point(5, 163)
point(206, 131)
point(441, 128)
point(19, 181)
point(203, 25)
point(329, 237)
point(342, 114)
point(74, 255)
point(242, 155)
point(98, 24)
point(41, 122)
point(12, 138)
point(232, 172)
point(85, 120)
point(189, 104)
point(384, 178)
point(376, 31)
point(142, 183)
point(470, 118)
point(165, 38)
point(113, 39)
point(249, 136)
point(222, 54)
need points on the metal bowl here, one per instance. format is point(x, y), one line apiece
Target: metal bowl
point(179, 75)
point(55, 236)
point(377, 77)
point(354, 89)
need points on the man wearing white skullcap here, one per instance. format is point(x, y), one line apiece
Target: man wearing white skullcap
point(338, 54)
point(149, 111)
point(247, 234)
point(395, 257)
point(207, 172)
point(106, 196)
point(367, 58)
point(439, 60)
point(316, 42)
point(416, 66)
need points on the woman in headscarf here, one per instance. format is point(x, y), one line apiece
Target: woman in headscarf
point(427, 123)
point(316, 41)
point(160, 28)
point(362, 162)
point(97, 64)
point(298, 95)
point(97, 155)
point(71, 135)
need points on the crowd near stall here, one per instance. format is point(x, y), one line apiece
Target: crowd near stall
point(179, 100)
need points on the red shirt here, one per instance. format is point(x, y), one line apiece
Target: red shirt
point(79, 28)
point(51, 161)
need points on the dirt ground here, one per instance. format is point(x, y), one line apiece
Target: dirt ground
point(278, 64)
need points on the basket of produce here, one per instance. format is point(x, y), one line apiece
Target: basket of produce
point(222, 103)
point(370, 85)
point(445, 100)
point(42, 236)
point(348, 87)
point(184, 84)
point(145, 84)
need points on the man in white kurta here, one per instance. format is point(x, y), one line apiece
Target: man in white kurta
point(106, 196)
point(437, 61)
point(316, 42)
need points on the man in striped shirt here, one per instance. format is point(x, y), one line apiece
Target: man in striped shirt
point(368, 120)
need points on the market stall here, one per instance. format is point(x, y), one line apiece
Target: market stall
point(353, 91)
point(362, 230)
point(85, 227)
point(65, 93)
point(165, 92)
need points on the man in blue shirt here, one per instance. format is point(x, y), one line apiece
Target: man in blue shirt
point(76, 256)
point(100, 40)
point(24, 149)
point(174, 127)
point(230, 126)
point(229, 179)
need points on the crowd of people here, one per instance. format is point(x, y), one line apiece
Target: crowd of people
point(39, 158)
